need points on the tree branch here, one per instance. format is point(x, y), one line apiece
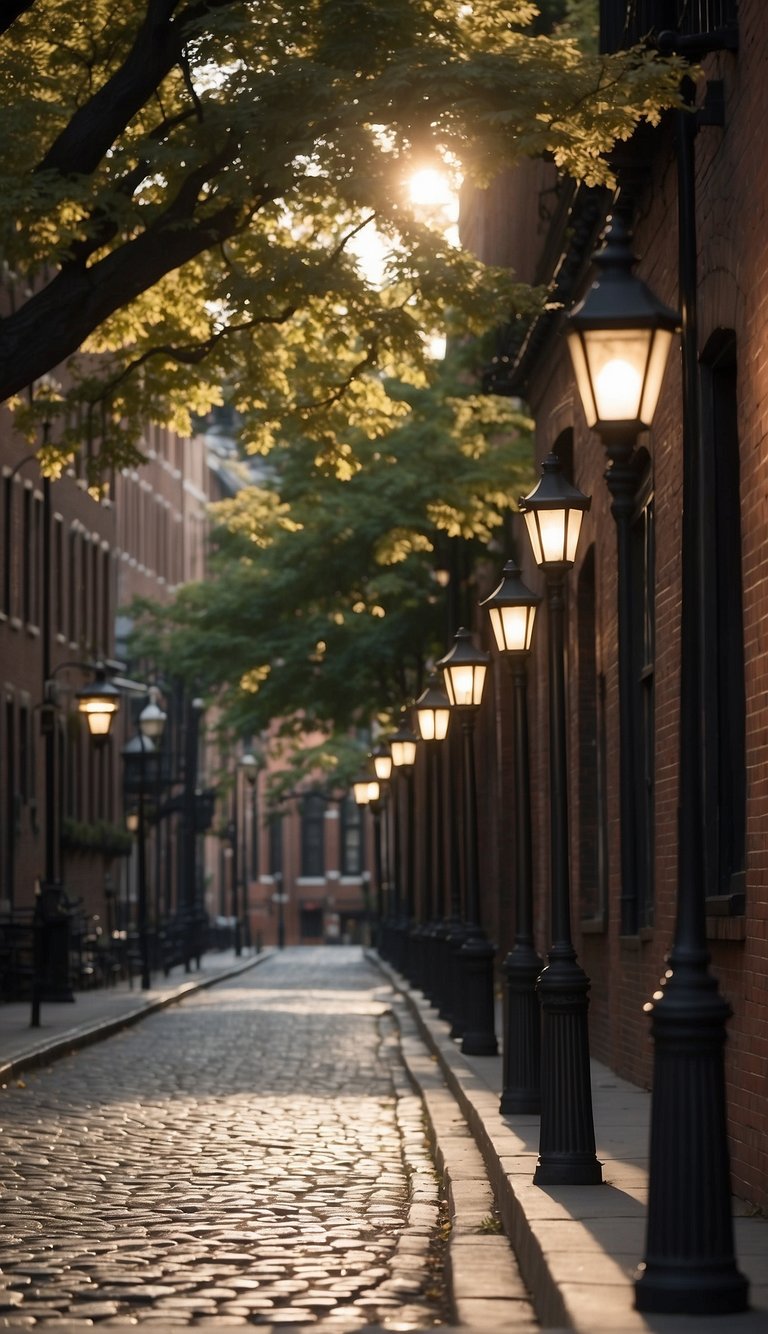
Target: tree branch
point(193, 353)
point(93, 128)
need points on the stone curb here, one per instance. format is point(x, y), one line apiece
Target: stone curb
point(486, 1288)
point(542, 1293)
point(76, 1038)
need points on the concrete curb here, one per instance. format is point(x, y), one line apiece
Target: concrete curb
point(535, 1287)
point(487, 1292)
point(83, 1036)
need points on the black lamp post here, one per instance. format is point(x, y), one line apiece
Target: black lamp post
point(98, 702)
point(464, 670)
point(249, 767)
point(553, 513)
point(366, 790)
point(382, 767)
point(135, 755)
point(619, 338)
point(690, 1266)
point(402, 745)
point(433, 714)
point(512, 610)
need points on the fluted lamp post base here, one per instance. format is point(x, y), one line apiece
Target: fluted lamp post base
point(567, 1139)
point(521, 1087)
point(689, 1266)
point(478, 1035)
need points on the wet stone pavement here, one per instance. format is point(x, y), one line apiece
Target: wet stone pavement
point(254, 1155)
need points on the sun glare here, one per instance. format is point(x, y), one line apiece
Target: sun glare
point(430, 188)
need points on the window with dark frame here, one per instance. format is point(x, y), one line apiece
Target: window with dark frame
point(725, 691)
point(643, 635)
point(276, 844)
point(313, 836)
point(351, 837)
point(592, 831)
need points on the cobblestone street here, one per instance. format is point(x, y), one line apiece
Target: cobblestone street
point(252, 1155)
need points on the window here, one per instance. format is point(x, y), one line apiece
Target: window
point(275, 845)
point(313, 835)
point(592, 832)
point(724, 688)
point(72, 585)
point(643, 632)
point(7, 542)
point(27, 555)
point(351, 837)
point(11, 801)
point(58, 575)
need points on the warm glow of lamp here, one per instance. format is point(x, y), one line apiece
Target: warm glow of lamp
point(433, 711)
point(553, 513)
point(512, 611)
point(382, 762)
point(619, 338)
point(464, 670)
point(99, 702)
point(402, 745)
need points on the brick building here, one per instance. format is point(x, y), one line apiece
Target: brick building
point(547, 229)
point(146, 535)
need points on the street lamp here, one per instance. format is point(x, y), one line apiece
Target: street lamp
point(553, 514)
point(249, 767)
point(689, 1266)
point(367, 791)
point(146, 743)
point(619, 338)
point(512, 611)
point(383, 765)
point(464, 670)
point(433, 715)
point(98, 701)
point(402, 744)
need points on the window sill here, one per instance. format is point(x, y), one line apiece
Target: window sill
point(635, 942)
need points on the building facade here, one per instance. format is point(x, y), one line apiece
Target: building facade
point(624, 907)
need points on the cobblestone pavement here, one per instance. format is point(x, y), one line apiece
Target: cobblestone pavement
point(253, 1155)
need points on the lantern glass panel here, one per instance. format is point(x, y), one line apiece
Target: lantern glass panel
point(361, 792)
point(433, 723)
point(657, 364)
point(464, 683)
point(583, 381)
point(617, 363)
point(403, 753)
point(383, 766)
point(512, 627)
point(98, 714)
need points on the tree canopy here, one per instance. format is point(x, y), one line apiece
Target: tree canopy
point(321, 606)
point(183, 181)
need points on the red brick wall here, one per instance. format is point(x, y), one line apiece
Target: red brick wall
point(732, 202)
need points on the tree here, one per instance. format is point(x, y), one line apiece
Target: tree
point(322, 606)
point(183, 181)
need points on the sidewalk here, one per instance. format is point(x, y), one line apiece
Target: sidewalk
point(97, 1013)
point(578, 1247)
